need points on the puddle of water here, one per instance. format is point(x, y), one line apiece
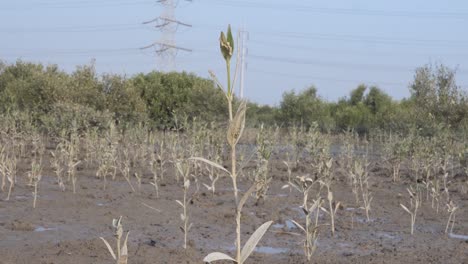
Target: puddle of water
point(43, 229)
point(21, 197)
point(288, 224)
point(277, 225)
point(100, 204)
point(270, 250)
point(265, 250)
point(463, 237)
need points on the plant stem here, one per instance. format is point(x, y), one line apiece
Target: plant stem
point(229, 91)
point(35, 195)
point(238, 239)
point(233, 171)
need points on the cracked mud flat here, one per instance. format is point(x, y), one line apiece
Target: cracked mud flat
point(65, 227)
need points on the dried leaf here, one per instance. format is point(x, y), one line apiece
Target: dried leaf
point(179, 202)
point(111, 251)
point(299, 225)
point(150, 207)
point(211, 163)
point(215, 256)
point(236, 125)
point(253, 241)
point(406, 209)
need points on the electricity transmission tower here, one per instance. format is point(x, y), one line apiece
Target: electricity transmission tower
point(166, 48)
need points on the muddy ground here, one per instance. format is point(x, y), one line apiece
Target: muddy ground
point(65, 227)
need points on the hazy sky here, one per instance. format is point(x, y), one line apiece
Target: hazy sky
point(333, 45)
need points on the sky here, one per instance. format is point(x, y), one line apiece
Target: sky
point(334, 45)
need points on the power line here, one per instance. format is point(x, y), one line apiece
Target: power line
point(343, 11)
point(350, 38)
point(74, 5)
point(272, 73)
point(354, 52)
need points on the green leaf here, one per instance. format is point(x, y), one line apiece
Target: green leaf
point(230, 39)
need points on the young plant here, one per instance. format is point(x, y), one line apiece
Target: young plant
point(155, 170)
point(237, 121)
point(235, 130)
point(184, 170)
point(122, 250)
point(451, 208)
point(327, 182)
point(311, 229)
point(58, 167)
point(363, 176)
point(264, 149)
point(8, 169)
point(213, 175)
point(125, 166)
point(35, 176)
point(415, 202)
point(288, 164)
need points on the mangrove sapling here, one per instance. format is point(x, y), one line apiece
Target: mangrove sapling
point(362, 174)
point(264, 149)
point(213, 175)
point(235, 130)
point(184, 170)
point(122, 250)
point(58, 167)
point(72, 172)
point(2, 169)
point(35, 175)
point(8, 168)
point(125, 166)
point(287, 162)
point(435, 194)
point(326, 181)
point(154, 167)
point(311, 229)
point(398, 149)
point(237, 121)
point(451, 208)
point(415, 202)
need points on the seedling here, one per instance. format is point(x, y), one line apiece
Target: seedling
point(35, 175)
point(327, 182)
point(304, 184)
point(122, 250)
point(415, 202)
point(184, 170)
point(8, 170)
point(451, 208)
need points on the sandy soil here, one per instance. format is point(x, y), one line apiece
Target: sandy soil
point(65, 227)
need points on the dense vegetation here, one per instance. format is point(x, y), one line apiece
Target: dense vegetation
point(52, 99)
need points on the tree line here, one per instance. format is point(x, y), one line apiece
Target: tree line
point(51, 98)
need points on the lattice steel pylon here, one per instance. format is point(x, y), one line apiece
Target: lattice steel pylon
point(166, 48)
